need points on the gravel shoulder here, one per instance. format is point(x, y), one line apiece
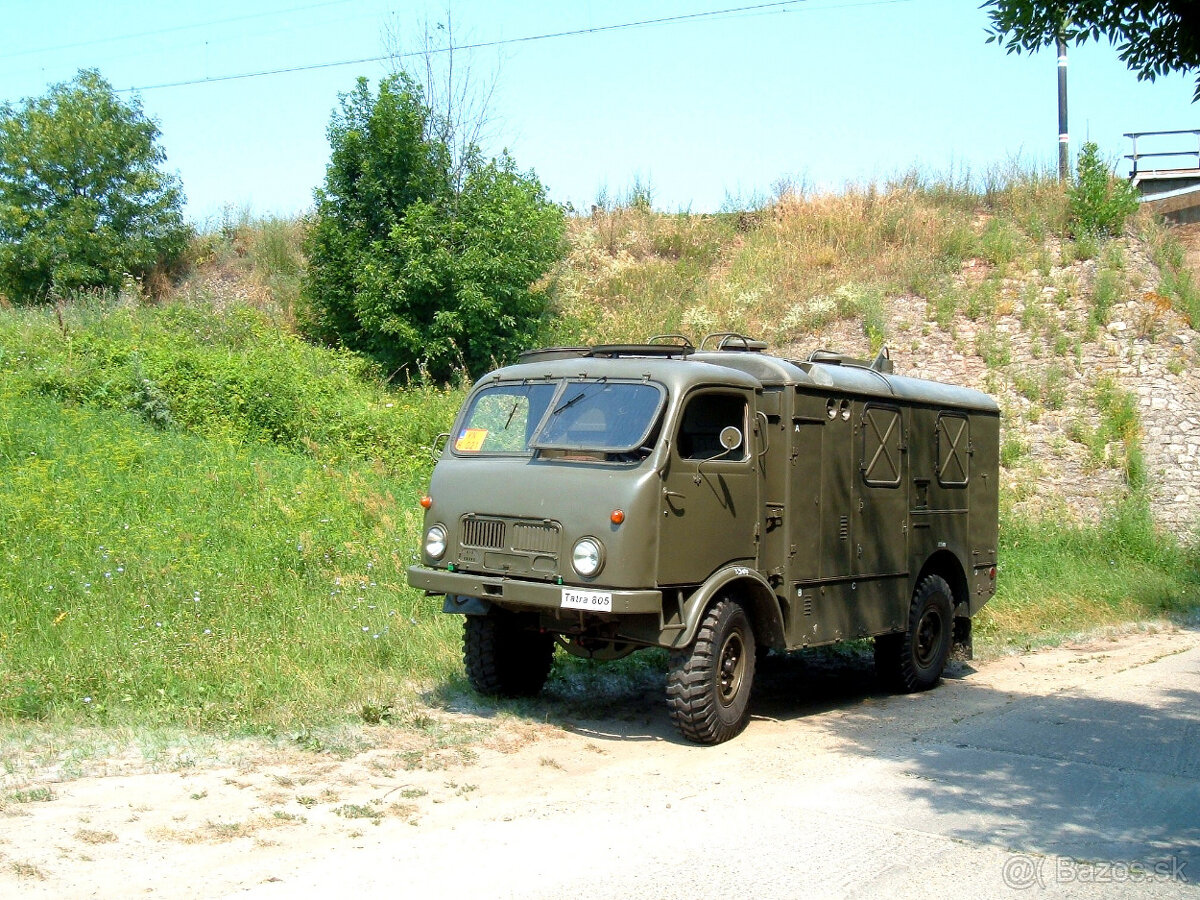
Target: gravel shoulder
point(1085, 752)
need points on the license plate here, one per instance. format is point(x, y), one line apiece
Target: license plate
point(589, 601)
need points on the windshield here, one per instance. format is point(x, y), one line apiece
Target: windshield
point(502, 418)
point(605, 416)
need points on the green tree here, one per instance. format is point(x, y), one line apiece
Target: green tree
point(83, 200)
point(1153, 37)
point(412, 263)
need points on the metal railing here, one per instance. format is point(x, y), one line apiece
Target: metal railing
point(1135, 156)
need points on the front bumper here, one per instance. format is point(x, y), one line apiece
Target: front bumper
point(514, 592)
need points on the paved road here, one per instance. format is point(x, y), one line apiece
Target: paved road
point(1069, 773)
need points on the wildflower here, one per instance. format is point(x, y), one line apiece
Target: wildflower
point(87, 699)
point(58, 619)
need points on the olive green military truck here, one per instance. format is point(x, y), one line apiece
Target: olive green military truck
point(716, 501)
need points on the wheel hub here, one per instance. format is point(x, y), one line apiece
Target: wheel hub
point(732, 668)
point(929, 638)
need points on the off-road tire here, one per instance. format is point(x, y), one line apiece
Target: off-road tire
point(914, 659)
point(502, 658)
point(708, 685)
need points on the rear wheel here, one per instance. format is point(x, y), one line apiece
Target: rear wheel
point(708, 685)
point(915, 659)
point(504, 659)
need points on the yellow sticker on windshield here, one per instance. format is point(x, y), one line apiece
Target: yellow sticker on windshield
point(471, 440)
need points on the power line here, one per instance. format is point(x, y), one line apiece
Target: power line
point(759, 8)
point(172, 29)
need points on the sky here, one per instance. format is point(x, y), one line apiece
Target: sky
point(704, 112)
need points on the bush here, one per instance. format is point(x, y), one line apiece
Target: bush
point(229, 375)
point(413, 265)
point(1100, 202)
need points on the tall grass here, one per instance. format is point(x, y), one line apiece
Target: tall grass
point(1057, 577)
point(225, 374)
point(255, 260)
point(631, 272)
point(157, 575)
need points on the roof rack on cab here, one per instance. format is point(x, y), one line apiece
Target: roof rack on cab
point(731, 340)
point(882, 362)
point(678, 346)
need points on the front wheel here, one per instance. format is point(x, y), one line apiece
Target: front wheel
point(504, 659)
point(914, 660)
point(708, 685)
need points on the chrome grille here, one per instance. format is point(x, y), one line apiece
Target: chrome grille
point(487, 534)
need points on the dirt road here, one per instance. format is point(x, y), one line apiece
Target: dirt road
point(1071, 772)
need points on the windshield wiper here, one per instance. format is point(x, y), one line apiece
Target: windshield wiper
point(569, 403)
point(582, 393)
point(512, 412)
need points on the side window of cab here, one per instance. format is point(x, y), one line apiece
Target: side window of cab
point(703, 420)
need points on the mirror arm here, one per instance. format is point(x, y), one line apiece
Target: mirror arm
point(766, 438)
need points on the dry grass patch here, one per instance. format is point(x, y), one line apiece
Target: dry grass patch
point(90, 836)
point(221, 832)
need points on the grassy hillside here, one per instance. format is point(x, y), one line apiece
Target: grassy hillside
point(206, 520)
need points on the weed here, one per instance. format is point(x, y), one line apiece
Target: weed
point(1001, 242)
point(1100, 203)
point(1059, 577)
point(89, 836)
point(358, 811)
point(27, 870)
point(1012, 450)
point(1107, 291)
point(29, 795)
point(994, 348)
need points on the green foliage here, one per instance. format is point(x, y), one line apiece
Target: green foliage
point(206, 521)
point(1001, 242)
point(1100, 202)
point(1153, 37)
point(155, 576)
point(1116, 441)
point(419, 269)
point(1178, 283)
point(83, 200)
point(1108, 289)
point(231, 375)
point(1057, 577)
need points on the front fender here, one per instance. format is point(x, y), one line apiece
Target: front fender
point(745, 585)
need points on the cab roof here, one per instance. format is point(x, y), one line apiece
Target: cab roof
point(740, 363)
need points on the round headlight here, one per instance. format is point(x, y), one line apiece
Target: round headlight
point(435, 542)
point(587, 557)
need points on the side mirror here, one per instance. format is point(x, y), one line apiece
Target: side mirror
point(731, 439)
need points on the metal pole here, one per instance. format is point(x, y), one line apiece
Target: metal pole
point(1064, 154)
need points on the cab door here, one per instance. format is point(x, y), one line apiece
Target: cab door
point(709, 505)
